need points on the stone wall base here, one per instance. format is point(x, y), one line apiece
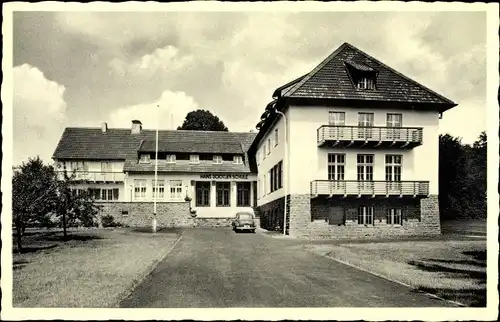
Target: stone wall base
point(310, 219)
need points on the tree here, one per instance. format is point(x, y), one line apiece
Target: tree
point(202, 120)
point(33, 190)
point(72, 206)
point(462, 178)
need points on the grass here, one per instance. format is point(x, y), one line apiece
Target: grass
point(452, 269)
point(92, 268)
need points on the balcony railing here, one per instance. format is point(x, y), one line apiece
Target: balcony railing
point(94, 176)
point(369, 136)
point(369, 188)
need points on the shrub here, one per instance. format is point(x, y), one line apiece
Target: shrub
point(108, 221)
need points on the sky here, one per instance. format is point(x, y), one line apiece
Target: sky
point(86, 68)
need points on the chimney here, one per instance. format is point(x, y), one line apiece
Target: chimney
point(136, 127)
point(104, 127)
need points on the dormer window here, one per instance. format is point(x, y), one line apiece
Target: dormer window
point(145, 158)
point(365, 83)
point(170, 158)
point(194, 158)
point(217, 159)
point(362, 75)
point(238, 159)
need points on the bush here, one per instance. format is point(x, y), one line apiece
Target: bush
point(108, 221)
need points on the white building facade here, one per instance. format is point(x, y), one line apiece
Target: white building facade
point(358, 156)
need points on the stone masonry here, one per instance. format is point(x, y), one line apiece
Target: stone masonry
point(171, 214)
point(422, 219)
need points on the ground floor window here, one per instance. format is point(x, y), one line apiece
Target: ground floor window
point(243, 194)
point(203, 194)
point(158, 189)
point(104, 194)
point(223, 193)
point(394, 216)
point(139, 188)
point(365, 215)
point(175, 190)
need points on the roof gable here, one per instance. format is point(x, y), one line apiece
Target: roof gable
point(331, 80)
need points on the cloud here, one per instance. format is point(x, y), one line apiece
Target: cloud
point(39, 114)
point(173, 107)
point(160, 61)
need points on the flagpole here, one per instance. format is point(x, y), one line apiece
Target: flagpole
point(155, 194)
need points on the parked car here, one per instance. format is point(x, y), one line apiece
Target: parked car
point(244, 221)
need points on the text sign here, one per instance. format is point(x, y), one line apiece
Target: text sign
point(224, 176)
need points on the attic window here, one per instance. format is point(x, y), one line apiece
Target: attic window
point(365, 83)
point(145, 158)
point(362, 75)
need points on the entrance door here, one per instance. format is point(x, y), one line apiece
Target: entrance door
point(336, 215)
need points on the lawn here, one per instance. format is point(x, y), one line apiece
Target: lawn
point(93, 268)
point(452, 269)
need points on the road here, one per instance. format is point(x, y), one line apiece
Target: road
point(219, 268)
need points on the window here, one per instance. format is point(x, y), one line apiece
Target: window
point(175, 189)
point(268, 145)
point(393, 171)
point(264, 184)
point(337, 120)
point(222, 192)
point(365, 123)
point(139, 188)
point(365, 171)
point(366, 83)
point(276, 177)
point(243, 194)
point(145, 158)
point(238, 159)
point(280, 175)
point(394, 121)
point(217, 159)
point(258, 157)
point(104, 194)
point(202, 194)
point(264, 151)
point(106, 167)
point(170, 158)
point(158, 189)
point(365, 215)
point(336, 170)
point(194, 158)
point(276, 137)
point(394, 216)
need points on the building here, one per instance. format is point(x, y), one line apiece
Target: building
point(204, 177)
point(353, 147)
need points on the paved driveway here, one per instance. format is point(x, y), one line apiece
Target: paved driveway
point(219, 268)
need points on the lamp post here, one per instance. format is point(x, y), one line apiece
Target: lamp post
point(155, 189)
point(286, 167)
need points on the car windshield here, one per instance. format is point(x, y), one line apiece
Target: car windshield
point(244, 216)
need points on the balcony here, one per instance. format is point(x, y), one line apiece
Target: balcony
point(94, 176)
point(337, 136)
point(369, 188)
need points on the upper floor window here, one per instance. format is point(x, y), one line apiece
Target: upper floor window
point(268, 145)
point(365, 123)
point(106, 167)
point(194, 158)
point(366, 83)
point(336, 118)
point(217, 159)
point(276, 136)
point(238, 159)
point(170, 158)
point(145, 158)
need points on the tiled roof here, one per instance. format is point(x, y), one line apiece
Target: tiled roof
point(330, 80)
point(120, 144)
point(192, 147)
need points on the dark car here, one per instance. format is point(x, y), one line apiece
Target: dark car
point(244, 221)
